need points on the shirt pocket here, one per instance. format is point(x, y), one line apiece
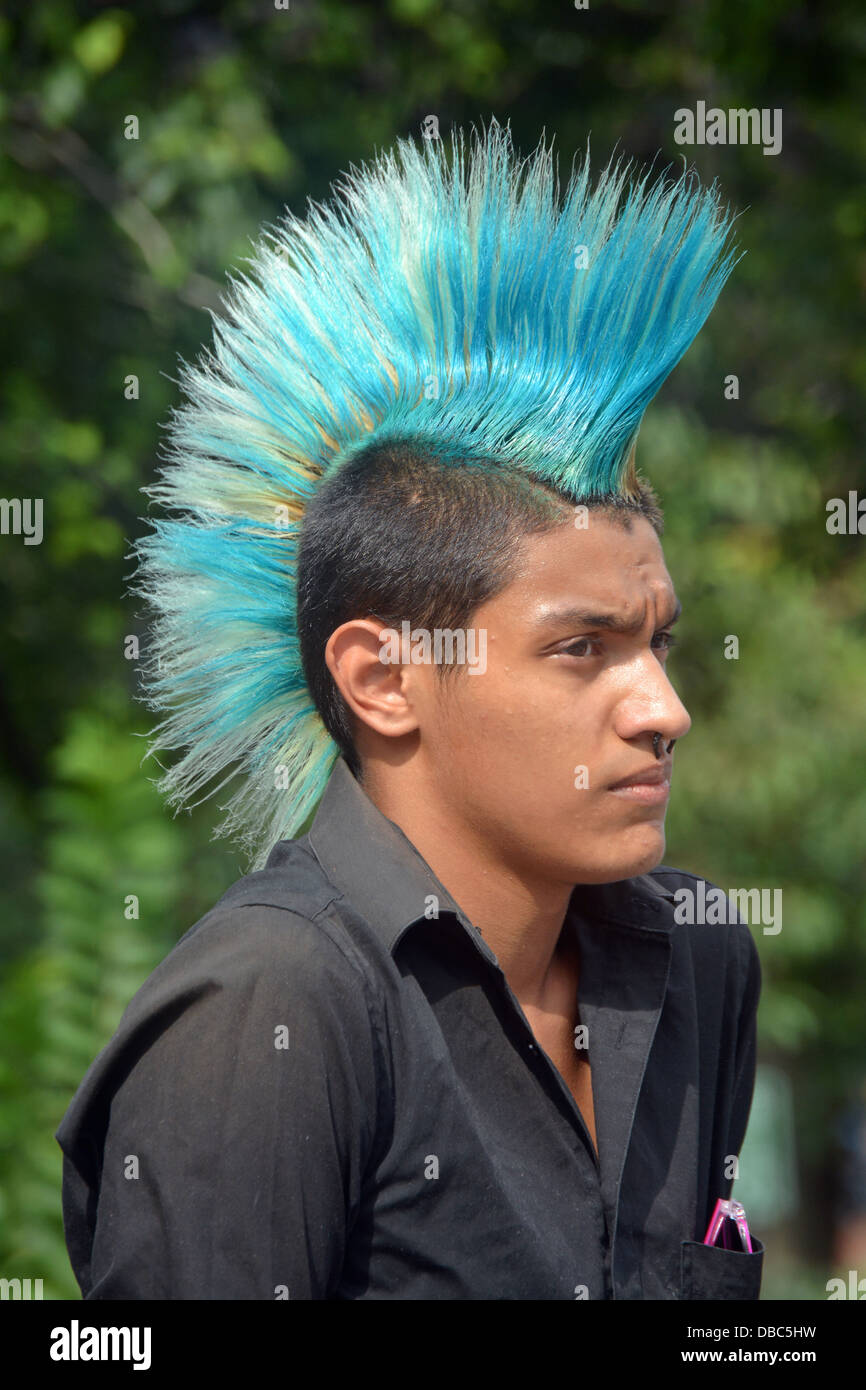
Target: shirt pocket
point(709, 1271)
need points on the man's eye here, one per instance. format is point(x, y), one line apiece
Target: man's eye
point(662, 641)
point(582, 642)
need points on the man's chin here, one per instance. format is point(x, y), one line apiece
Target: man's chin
point(632, 860)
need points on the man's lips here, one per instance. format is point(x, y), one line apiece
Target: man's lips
point(645, 777)
point(650, 786)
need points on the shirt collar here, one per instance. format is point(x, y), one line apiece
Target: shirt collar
point(370, 860)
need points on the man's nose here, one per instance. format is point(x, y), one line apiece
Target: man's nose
point(654, 707)
point(672, 719)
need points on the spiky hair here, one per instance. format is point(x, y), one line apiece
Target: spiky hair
point(456, 298)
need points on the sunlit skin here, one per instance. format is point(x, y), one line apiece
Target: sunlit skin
point(479, 772)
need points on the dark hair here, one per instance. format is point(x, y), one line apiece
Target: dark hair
point(407, 530)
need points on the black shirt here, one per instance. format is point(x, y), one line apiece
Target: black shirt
point(327, 1091)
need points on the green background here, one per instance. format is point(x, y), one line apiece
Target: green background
point(113, 250)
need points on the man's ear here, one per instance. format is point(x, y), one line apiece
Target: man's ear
point(363, 657)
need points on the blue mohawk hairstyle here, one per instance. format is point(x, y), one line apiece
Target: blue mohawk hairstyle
point(455, 298)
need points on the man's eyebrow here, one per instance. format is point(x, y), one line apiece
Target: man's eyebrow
point(610, 622)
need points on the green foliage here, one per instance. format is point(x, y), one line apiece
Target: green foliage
point(109, 894)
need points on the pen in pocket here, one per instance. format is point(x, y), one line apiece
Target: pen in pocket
point(728, 1227)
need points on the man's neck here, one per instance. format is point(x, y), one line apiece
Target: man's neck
point(520, 921)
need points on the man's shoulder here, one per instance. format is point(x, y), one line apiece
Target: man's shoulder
point(269, 945)
point(286, 918)
point(707, 918)
point(269, 937)
point(290, 891)
point(672, 878)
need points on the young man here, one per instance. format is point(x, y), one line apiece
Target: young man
point(451, 1042)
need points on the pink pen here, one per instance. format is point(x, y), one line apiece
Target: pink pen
point(727, 1217)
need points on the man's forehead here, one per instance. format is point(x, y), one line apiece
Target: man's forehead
point(604, 567)
point(626, 618)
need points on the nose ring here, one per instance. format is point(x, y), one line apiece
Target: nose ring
point(657, 738)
